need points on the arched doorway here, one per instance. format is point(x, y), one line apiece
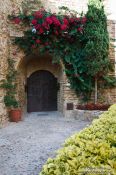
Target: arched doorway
point(41, 92)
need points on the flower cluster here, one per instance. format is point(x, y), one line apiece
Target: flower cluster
point(44, 23)
point(41, 22)
point(17, 20)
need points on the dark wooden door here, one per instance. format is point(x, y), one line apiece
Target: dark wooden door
point(41, 92)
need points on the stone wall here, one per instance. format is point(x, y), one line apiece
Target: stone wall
point(3, 69)
point(8, 31)
point(4, 51)
point(76, 5)
point(110, 94)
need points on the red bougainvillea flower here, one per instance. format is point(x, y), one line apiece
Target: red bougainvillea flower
point(64, 27)
point(78, 19)
point(46, 44)
point(65, 21)
point(56, 33)
point(45, 25)
point(84, 20)
point(33, 46)
point(72, 20)
point(41, 31)
point(80, 29)
point(49, 20)
point(55, 21)
point(38, 14)
point(38, 41)
point(34, 21)
point(37, 26)
point(17, 20)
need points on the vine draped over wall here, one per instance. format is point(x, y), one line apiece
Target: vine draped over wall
point(81, 43)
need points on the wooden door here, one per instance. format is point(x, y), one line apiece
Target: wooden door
point(41, 92)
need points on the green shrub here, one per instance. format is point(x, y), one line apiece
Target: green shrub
point(94, 149)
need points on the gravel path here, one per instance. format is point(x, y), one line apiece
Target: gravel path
point(25, 146)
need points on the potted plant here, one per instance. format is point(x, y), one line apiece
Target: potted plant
point(10, 100)
point(13, 107)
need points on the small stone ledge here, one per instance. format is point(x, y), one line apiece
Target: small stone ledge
point(85, 115)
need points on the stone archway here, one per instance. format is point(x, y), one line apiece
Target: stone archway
point(41, 92)
point(34, 63)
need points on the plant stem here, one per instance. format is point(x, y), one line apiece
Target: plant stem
point(96, 93)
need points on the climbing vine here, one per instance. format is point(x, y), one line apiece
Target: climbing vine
point(80, 41)
point(9, 84)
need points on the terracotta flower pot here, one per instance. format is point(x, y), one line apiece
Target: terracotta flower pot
point(15, 115)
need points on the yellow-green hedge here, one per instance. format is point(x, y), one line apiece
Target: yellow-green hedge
point(92, 151)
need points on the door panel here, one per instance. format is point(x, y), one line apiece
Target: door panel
point(41, 92)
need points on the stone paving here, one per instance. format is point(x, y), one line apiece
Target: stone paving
point(25, 146)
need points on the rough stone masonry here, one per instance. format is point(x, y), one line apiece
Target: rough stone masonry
point(8, 31)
